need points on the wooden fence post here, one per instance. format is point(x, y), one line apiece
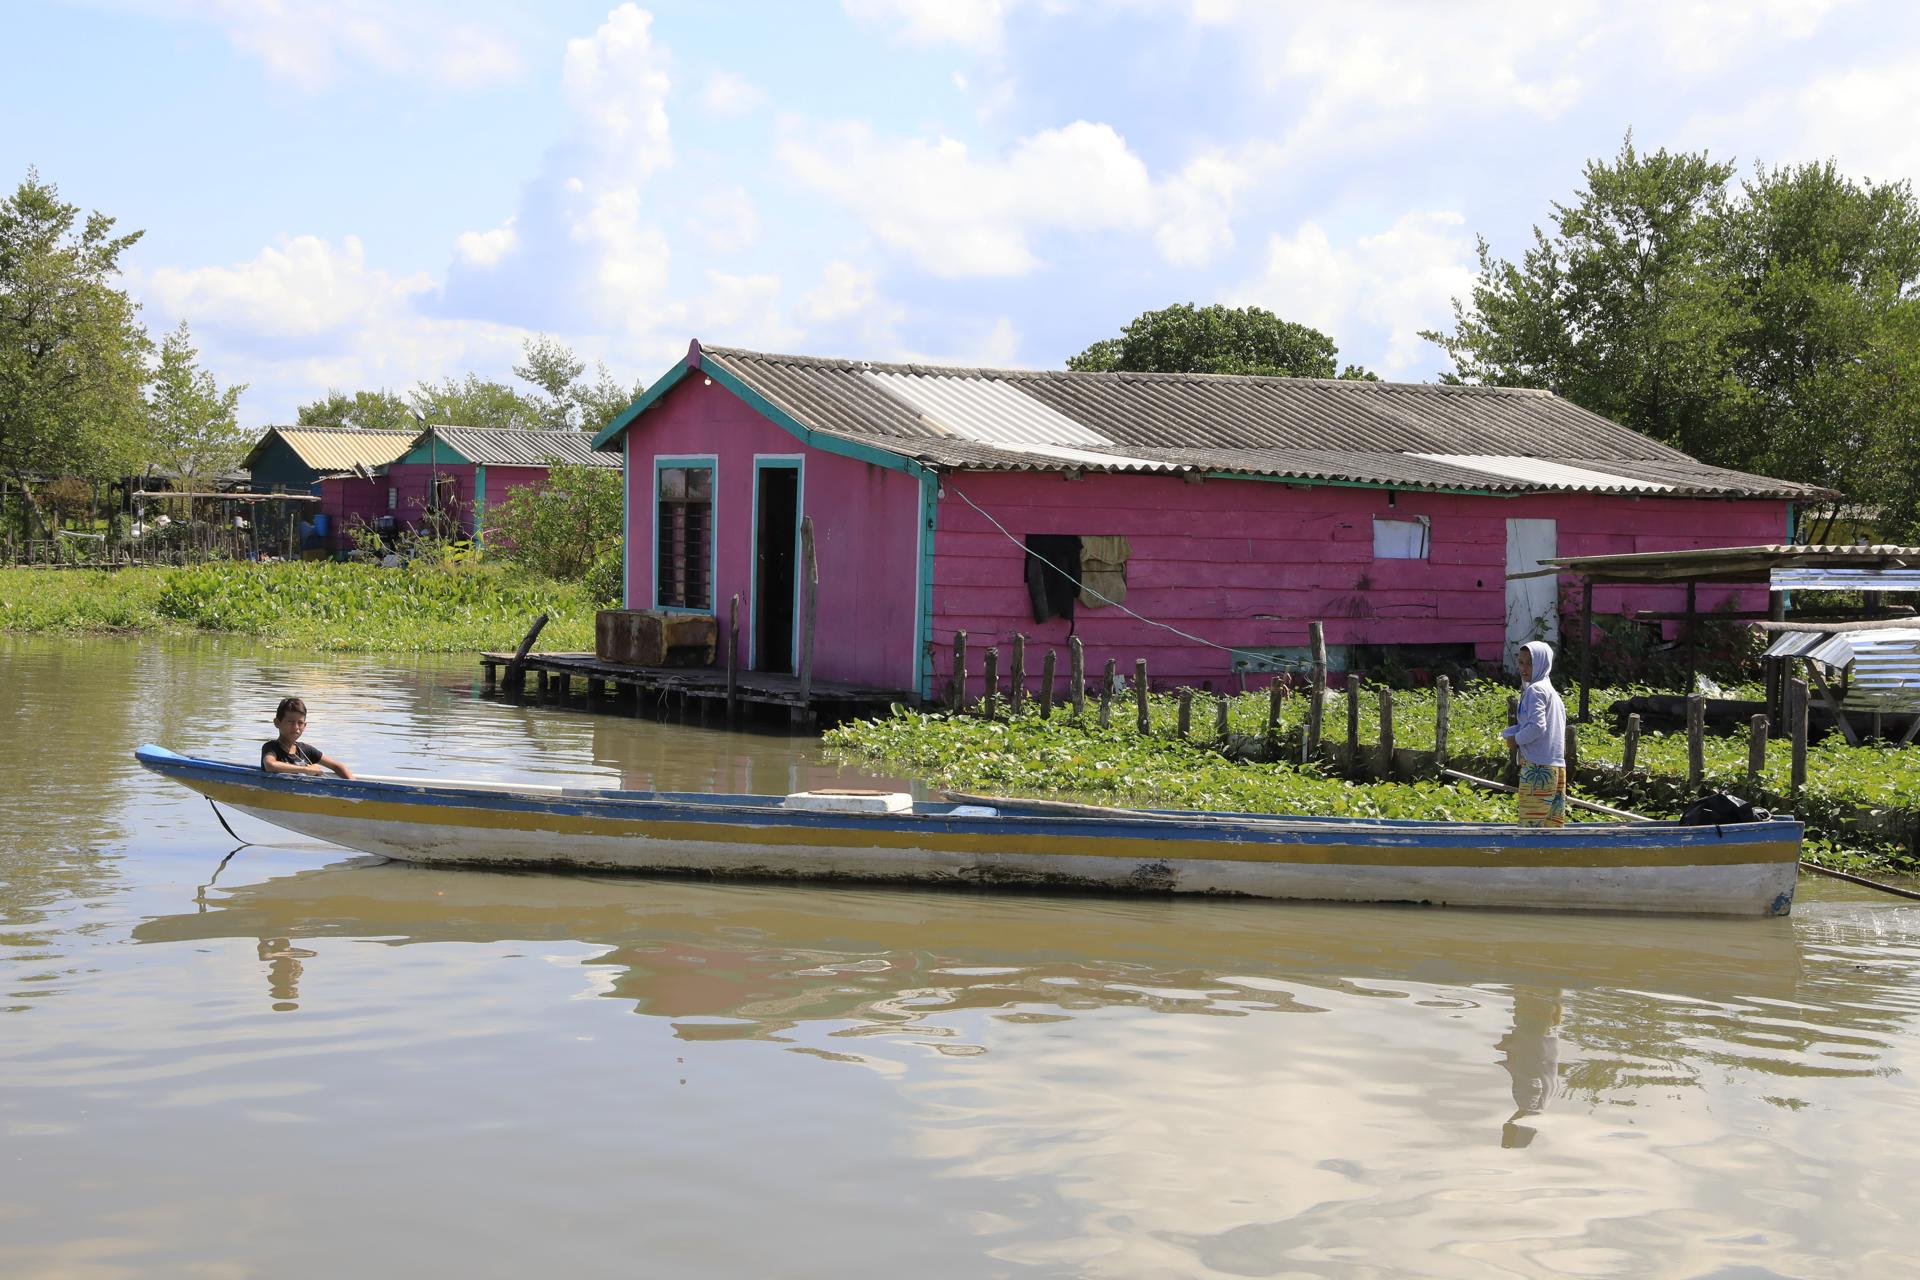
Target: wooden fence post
point(1186, 714)
point(1572, 748)
point(1221, 730)
point(1797, 724)
point(1046, 684)
point(516, 669)
point(1017, 677)
point(1442, 719)
point(1077, 675)
point(1696, 738)
point(1106, 693)
point(1353, 721)
point(1275, 692)
point(809, 610)
point(959, 671)
point(1317, 709)
point(1630, 745)
point(1141, 721)
point(1384, 760)
point(1756, 753)
point(992, 678)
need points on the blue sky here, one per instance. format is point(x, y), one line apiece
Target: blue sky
point(349, 194)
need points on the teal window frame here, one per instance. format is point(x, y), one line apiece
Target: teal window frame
point(677, 462)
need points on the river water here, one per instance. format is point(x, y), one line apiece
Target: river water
point(310, 1063)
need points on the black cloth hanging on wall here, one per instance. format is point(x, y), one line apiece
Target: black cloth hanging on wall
point(1053, 574)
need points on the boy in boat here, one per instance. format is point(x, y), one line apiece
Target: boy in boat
point(1539, 734)
point(287, 754)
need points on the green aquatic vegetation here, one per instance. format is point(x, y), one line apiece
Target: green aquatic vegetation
point(306, 605)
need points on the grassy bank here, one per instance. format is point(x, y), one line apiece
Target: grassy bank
point(1861, 804)
point(322, 606)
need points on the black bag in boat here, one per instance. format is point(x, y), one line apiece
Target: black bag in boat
point(1720, 810)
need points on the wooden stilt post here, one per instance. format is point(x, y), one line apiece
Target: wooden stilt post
point(1572, 748)
point(1317, 708)
point(1630, 745)
point(1077, 675)
point(959, 671)
point(1693, 638)
point(1017, 676)
point(1797, 724)
point(1442, 720)
point(1696, 739)
point(1221, 732)
point(1046, 684)
point(1186, 714)
point(1275, 692)
point(1140, 718)
point(1106, 693)
point(1776, 667)
point(809, 610)
point(1383, 760)
point(992, 679)
point(733, 657)
point(1756, 754)
point(1353, 721)
point(516, 669)
point(1586, 649)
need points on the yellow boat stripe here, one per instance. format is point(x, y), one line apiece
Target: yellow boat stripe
point(1149, 848)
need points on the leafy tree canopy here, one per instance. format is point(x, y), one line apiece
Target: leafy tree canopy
point(1766, 326)
point(72, 350)
point(367, 410)
point(193, 428)
point(1185, 338)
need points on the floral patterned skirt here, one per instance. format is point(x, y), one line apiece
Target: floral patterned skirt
point(1543, 795)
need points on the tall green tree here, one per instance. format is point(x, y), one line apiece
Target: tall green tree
point(72, 350)
point(568, 401)
point(1185, 338)
point(365, 410)
point(474, 401)
point(193, 426)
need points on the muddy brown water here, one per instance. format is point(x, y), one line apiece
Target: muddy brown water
point(320, 1064)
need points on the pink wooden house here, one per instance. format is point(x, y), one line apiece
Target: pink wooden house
point(1198, 521)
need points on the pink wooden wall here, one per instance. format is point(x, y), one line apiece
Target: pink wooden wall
point(349, 499)
point(865, 530)
point(1208, 557)
point(412, 484)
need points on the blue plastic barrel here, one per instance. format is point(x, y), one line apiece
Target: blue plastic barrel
point(322, 524)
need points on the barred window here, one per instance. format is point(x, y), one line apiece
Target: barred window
point(685, 538)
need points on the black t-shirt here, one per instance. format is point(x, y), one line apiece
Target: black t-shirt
point(303, 753)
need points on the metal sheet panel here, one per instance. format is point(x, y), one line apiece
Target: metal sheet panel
point(1796, 578)
point(341, 449)
point(1548, 474)
point(986, 410)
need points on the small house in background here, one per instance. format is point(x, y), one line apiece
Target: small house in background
point(296, 459)
point(1198, 521)
point(455, 471)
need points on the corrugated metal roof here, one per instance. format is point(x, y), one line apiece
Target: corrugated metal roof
point(1845, 578)
point(1400, 434)
point(515, 447)
point(1546, 473)
point(336, 448)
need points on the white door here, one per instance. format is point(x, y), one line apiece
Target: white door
point(1533, 604)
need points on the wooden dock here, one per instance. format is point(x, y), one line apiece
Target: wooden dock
point(565, 678)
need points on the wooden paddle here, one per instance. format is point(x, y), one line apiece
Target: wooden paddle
point(1575, 801)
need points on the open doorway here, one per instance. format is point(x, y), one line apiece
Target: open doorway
point(776, 544)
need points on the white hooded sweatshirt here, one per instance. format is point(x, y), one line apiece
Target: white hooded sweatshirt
point(1540, 726)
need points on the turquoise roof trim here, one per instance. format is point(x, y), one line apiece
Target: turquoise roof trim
point(625, 419)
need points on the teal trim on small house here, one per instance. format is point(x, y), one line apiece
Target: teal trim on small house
point(1791, 515)
point(813, 439)
point(798, 464)
point(626, 522)
point(479, 500)
point(929, 522)
point(667, 382)
point(669, 461)
point(432, 451)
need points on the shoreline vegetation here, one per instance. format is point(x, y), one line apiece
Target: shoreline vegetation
point(422, 607)
point(1861, 805)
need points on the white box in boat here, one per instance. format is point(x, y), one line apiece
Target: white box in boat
point(849, 801)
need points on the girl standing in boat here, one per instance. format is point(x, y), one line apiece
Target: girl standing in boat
point(287, 754)
point(1539, 734)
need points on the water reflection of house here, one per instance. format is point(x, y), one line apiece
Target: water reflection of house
point(1235, 510)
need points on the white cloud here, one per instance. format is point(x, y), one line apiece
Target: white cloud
point(973, 24)
point(960, 215)
point(727, 220)
point(726, 94)
point(994, 346)
point(310, 43)
point(305, 288)
point(740, 310)
point(844, 290)
point(486, 248)
point(616, 81)
point(1392, 284)
point(1861, 117)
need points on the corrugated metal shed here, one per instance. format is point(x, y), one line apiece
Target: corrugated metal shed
point(335, 448)
point(1733, 564)
point(513, 447)
point(1884, 665)
point(1845, 578)
point(1399, 434)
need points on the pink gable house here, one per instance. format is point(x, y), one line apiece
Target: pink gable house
point(1198, 521)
